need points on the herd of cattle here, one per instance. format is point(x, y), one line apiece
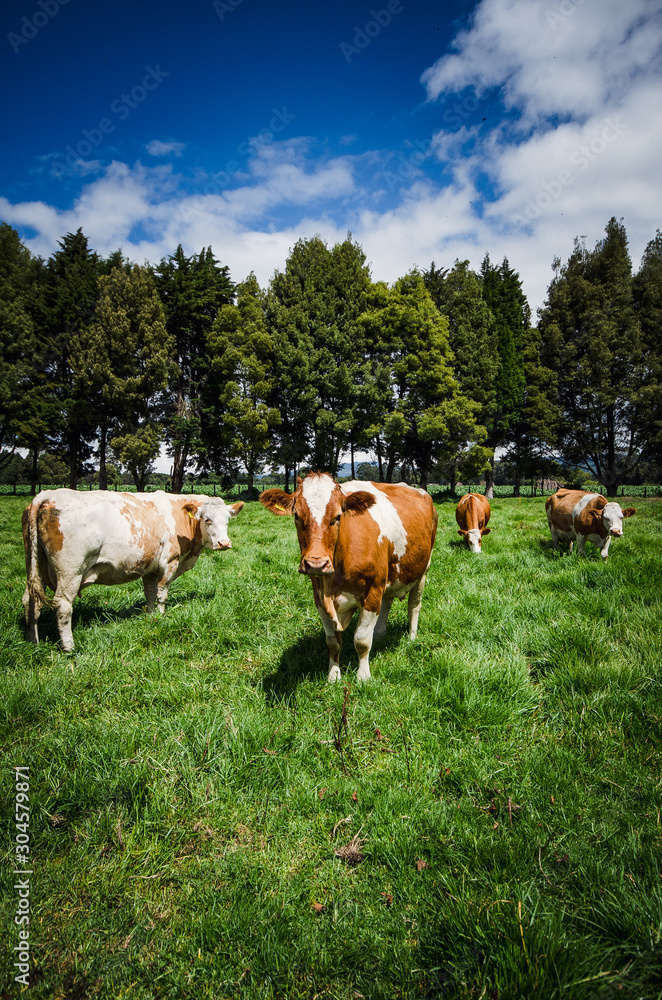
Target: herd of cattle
point(362, 545)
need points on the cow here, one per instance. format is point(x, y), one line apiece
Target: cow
point(472, 514)
point(575, 514)
point(362, 545)
point(73, 540)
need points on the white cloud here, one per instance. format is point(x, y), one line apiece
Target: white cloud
point(158, 148)
point(581, 140)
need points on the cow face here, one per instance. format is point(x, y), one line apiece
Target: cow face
point(473, 537)
point(612, 518)
point(318, 506)
point(214, 517)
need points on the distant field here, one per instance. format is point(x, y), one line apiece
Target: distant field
point(210, 819)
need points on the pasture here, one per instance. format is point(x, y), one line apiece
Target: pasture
point(210, 819)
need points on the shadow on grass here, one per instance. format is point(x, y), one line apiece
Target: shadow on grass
point(87, 614)
point(308, 659)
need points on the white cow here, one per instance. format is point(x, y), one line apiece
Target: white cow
point(73, 540)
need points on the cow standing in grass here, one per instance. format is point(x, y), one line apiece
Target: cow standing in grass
point(575, 514)
point(73, 540)
point(472, 514)
point(362, 545)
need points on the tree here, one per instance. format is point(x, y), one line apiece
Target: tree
point(647, 294)
point(193, 290)
point(314, 308)
point(472, 333)
point(65, 311)
point(18, 345)
point(239, 422)
point(607, 370)
point(136, 451)
point(408, 355)
point(121, 360)
point(502, 291)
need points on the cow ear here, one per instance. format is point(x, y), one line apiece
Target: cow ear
point(629, 511)
point(277, 501)
point(461, 531)
point(299, 481)
point(358, 502)
point(235, 508)
point(192, 510)
point(485, 531)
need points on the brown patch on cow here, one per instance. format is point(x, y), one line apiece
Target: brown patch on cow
point(589, 522)
point(48, 522)
point(187, 527)
point(137, 516)
point(473, 511)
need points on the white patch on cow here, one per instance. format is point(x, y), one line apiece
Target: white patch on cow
point(317, 492)
point(612, 518)
point(473, 537)
point(384, 514)
point(579, 506)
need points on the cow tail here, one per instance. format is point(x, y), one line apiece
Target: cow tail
point(31, 538)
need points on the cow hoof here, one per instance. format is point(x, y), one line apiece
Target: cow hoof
point(363, 676)
point(334, 674)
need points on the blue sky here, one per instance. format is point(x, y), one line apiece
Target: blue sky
point(429, 130)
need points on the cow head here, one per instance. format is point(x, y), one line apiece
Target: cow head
point(214, 516)
point(318, 506)
point(612, 518)
point(473, 537)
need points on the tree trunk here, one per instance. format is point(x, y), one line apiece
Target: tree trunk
point(33, 471)
point(351, 448)
point(179, 466)
point(73, 463)
point(380, 462)
point(287, 479)
point(250, 469)
point(489, 480)
point(103, 471)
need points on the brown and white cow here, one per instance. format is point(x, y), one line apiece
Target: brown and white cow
point(575, 514)
point(73, 540)
point(362, 545)
point(472, 514)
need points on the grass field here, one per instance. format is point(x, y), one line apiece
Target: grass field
point(210, 819)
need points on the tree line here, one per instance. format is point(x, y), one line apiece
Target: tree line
point(105, 362)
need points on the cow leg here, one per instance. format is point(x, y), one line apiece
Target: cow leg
point(380, 627)
point(604, 551)
point(31, 610)
point(150, 585)
point(363, 641)
point(581, 545)
point(414, 605)
point(333, 645)
point(63, 607)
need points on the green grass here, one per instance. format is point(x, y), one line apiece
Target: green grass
point(191, 778)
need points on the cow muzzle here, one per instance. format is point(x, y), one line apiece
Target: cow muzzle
point(225, 544)
point(616, 532)
point(316, 566)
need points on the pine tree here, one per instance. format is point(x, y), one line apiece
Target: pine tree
point(193, 290)
point(593, 343)
point(121, 360)
point(241, 357)
point(502, 291)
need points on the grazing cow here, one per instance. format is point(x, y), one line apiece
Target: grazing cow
point(362, 545)
point(574, 514)
point(73, 540)
point(472, 514)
